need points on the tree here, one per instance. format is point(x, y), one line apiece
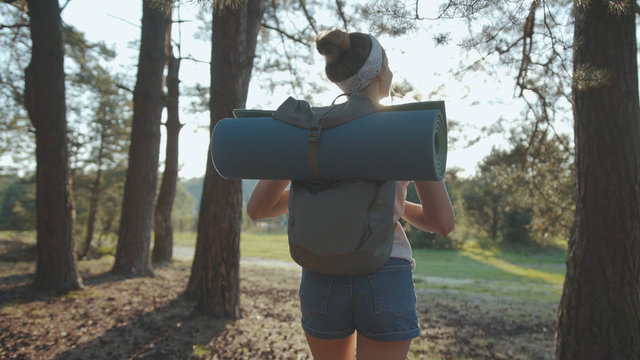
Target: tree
point(16, 131)
point(285, 45)
point(484, 201)
point(524, 193)
point(163, 230)
point(56, 267)
point(99, 127)
point(599, 314)
point(214, 282)
point(105, 150)
point(134, 237)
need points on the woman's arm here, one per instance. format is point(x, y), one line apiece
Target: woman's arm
point(437, 216)
point(268, 199)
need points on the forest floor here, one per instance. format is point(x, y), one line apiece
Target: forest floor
point(114, 317)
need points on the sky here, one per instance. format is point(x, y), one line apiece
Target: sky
point(474, 101)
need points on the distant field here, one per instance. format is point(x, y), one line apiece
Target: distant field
point(252, 244)
point(519, 272)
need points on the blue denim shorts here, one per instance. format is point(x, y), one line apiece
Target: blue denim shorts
point(380, 306)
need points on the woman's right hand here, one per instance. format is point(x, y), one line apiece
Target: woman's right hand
point(268, 199)
point(434, 213)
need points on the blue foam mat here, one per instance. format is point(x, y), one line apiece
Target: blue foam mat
point(398, 144)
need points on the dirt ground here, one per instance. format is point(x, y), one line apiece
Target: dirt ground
point(146, 318)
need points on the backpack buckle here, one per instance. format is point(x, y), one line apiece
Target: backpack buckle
point(314, 133)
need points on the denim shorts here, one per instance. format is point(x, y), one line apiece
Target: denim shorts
point(380, 306)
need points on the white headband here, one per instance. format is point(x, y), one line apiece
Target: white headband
point(367, 72)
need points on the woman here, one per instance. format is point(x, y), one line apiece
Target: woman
point(373, 315)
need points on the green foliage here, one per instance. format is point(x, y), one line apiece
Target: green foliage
point(183, 216)
point(390, 17)
point(194, 187)
point(15, 53)
point(100, 111)
point(426, 240)
point(515, 226)
point(533, 41)
point(524, 194)
point(17, 203)
point(108, 211)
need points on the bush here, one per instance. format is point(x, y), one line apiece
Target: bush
point(515, 226)
point(426, 240)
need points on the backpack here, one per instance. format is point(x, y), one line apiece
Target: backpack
point(342, 227)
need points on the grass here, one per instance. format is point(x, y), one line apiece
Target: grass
point(254, 244)
point(22, 236)
point(471, 262)
point(272, 245)
point(517, 272)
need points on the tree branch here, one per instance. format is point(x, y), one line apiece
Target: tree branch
point(124, 87)
point(65, 5)
point(340, 7)
point(125, 21)
point(283, 33)
point(305, 10)
point(191, 58)
point(13, 26)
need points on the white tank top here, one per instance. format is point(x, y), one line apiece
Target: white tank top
point(401, 247)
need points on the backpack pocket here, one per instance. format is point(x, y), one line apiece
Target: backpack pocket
point(333, 220)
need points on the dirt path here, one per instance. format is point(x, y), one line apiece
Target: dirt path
point(145, 318)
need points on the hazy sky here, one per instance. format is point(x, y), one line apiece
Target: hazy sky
point(475, 102)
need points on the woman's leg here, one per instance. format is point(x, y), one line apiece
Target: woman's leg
point(338, 349)
point(368, 349)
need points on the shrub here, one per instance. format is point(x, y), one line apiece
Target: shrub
point(515, 226)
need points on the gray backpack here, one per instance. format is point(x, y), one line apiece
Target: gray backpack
point(337, 227)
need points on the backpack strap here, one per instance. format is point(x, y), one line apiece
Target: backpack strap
point(314, 141)
point(300, 113)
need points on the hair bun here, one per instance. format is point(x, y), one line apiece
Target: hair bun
point(331, 44)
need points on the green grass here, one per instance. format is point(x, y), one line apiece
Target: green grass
point(186, 239)
point(265, 245)
point(27, 237)
point(520, 273)
point(471, 262)
point(517, 272)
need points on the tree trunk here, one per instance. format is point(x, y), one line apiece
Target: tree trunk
point(214, 281)
point(163, 230)
point(132, 254)
point(599, 313)
point(56, 267)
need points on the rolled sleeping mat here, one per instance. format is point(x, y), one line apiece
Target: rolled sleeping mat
point(402, 142)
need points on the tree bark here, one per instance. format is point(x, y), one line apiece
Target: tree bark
point(599, 313)
point(163, 229)
point(132, 254)
point(56, 266)
point(214, 281)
